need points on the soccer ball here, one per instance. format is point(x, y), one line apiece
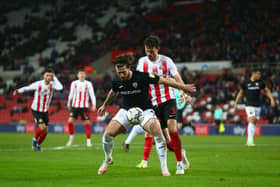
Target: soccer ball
point(135, 115)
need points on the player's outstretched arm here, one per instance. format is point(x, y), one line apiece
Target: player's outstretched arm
point(238, 97)
point(110, 97)
point(30, 87)
point(267, 92)
point(178, 85)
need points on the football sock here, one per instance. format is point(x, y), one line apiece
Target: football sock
point(88, 130)
point(43, 135)
point(108, 143)
point(147, 147)
point(175, 145)
point(161, 151)
point(37, 134)
point(251, 132)
point(71, 128)
point(137, 129)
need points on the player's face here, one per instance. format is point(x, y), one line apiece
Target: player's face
point(152, 53)
point(257, 75)
point(81, 75)
point(48, 77)
point(123, 72)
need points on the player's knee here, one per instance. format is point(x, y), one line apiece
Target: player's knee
point(107, 138)
point(172, 125)
point(252, 119)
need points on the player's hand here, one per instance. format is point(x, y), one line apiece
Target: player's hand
point(189, 88)
point(93, 108)
point(15, 92)
point(101, 110)
point(189, 99)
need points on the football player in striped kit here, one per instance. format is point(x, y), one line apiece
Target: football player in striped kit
point(78, 104)
point(163, 100)
point(43, 92)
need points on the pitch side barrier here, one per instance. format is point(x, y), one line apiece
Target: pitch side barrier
point(198, 130)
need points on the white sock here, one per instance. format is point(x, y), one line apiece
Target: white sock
point(88, 140)
point(137, 129)
point(108, 143)
point(251, 132)
point(71, 137)
point(161, 151)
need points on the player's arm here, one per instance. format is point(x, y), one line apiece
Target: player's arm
point(28, 88)
point(57, 84)
point(109, 98)
point(238, 98)
point(267, 92)
point(92, 97)
point(173, 83)
point(70, 96)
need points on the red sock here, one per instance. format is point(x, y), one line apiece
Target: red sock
point(71, 128)
point(37, 133)
point(42, 137)
point(147, 147)
point(176, 145)
point(88, 130)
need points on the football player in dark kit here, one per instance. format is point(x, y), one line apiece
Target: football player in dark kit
point(251, 88)
point(133, 87)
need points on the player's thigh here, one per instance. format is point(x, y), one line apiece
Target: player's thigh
point(251, 114)
point(150, 122)
point(84, 113)
point(121, 118)
point(114, 128)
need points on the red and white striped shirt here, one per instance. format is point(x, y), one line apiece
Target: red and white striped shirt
point(43, 93)
point(163, 66)
point(80, 92)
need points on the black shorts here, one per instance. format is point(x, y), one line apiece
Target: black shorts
point(76, 112)
point(166, 111)
point(40, 117)
point(180, 115)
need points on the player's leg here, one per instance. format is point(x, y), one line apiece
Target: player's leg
point(85, 118)
point(148, 145)
point(71, 120)
point(252, 115)
point(44, 128)
point(117, 125)
point(151, 125)
point(137, 129)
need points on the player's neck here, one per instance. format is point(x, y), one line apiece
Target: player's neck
point(46, 82)
point(252, 79)
point(157, 57)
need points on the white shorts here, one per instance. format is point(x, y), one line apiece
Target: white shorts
point(121, 117)
point(253, 111)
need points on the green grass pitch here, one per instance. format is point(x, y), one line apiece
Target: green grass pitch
point(215, 161)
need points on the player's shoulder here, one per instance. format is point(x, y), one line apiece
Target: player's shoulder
point(142, 60)
point(166, 58)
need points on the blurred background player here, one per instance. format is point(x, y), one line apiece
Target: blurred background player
point(163, 100)
point(78, 104)
point(43, 92)
point(251, 88)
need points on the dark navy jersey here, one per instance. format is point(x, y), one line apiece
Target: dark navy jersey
point(252, 92)
point(135, 92)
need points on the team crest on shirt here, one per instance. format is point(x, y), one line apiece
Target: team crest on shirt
point(135, 84)
point(257, 84)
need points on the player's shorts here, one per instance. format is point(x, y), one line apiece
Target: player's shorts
point(76, 112)
point(179, 115)
point(253, 111)
point(166, 111)
point(40, 117)
point(121, 117)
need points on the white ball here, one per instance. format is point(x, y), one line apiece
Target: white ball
point(135, 115)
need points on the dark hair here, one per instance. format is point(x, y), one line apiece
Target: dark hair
point(124, 59)
point(81, 70)
point(48, 70)
point(152, 41)
point(254, 70)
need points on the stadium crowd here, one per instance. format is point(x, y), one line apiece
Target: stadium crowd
point(222, 30)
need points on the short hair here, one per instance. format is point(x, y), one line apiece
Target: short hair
point(81, 70)
point(152, 41)
point(254, 70)
point(48, 70)
point(126, 59)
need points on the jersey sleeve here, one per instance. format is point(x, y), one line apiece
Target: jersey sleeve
point(139, 66)
point(71, 95)
point(30, 87)
point(57, 84)
point(91, 94)
point(151, 78)
point(172, 67)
